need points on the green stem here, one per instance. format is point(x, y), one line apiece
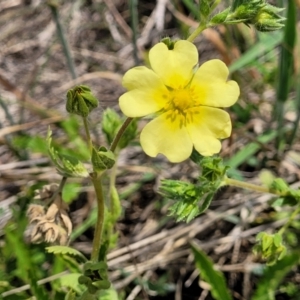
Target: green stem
point(87, 132)
point(290, 220)
point(112, 184)
point(96, 180)
point(250, 186)
point(119, 134)
point(197, 31)
point(59, 189)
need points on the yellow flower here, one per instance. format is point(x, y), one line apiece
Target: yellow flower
point(183, 99)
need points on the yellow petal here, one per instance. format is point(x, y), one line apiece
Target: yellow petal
point(161, 135)
point(174, 67)
point(147, 94)
point(208, 126)
point(210, 85)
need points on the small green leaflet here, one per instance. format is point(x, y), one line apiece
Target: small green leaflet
point(67, 166)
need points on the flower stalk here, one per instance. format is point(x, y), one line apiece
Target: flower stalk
point(250, 186)
point(96, 180)
point(87, 132)
point(196, 32)
point(120, 134)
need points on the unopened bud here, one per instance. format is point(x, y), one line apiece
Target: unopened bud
point(81, 101)
point(268, 19)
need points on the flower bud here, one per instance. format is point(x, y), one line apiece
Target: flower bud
point(267, 19)
point(81, 101)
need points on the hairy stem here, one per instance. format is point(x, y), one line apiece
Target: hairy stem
point(88, 136)
point(196, 32)
point(250, 186)
point(96, 180)
point(119, 134)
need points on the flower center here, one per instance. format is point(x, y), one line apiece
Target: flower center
point(181, 100)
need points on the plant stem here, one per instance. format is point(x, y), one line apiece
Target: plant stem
point(250, 186)
point(112, 184)
point(197, 31)
point(87, 132)
point(59, 189)
point(119, 134)
point(96, 180)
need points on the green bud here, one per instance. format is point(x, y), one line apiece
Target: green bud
point(220, 18)
point(270, 247)
point(103, 159)
point(81, 101)
point(267, 19)
point(259, 13)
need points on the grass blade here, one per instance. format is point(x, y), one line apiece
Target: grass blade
point(285, 69)
point(214, 277)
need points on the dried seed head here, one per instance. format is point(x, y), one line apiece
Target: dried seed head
point(35, 211)
point(51, 225)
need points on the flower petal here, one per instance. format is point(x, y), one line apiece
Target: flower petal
point(210, 125)
point(147, 93)
point(162, 135)
point(211, 87)
point(174, 67)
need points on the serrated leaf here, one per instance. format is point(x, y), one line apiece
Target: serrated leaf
point(66, 250)
point(67, 166)
point(215, 278)
point(273, 275)
point(206, 203)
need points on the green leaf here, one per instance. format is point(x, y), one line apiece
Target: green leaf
point(215, 278)
point(70, 191)
point(204, 6)
point(67, 166)
point(66, 250)
point(71, 295)
point(71, 281)
point(110, 294)
point(273, 275)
